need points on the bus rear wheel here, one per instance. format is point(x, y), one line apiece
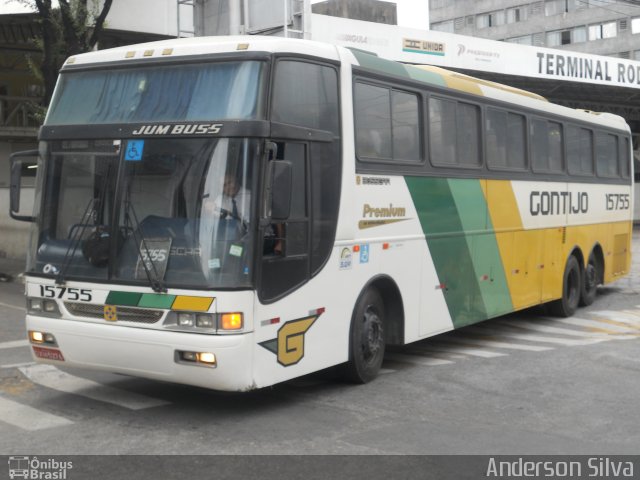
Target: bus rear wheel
point(571, 290)
point(366, 338)
point(589, 282)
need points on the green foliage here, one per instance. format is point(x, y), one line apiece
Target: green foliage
point(68, 28)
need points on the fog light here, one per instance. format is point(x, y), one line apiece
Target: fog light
point(206, 357)
point(41, 337)
point(186, 319)
point(189, 356)
point(204, 321)
point(231, 321)
point(36, 337)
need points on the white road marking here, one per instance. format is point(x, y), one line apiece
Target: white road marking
point(13, 307)
point(29, 418)
point(14, 344)
point(536, 327)
point(473, 352)
point(480, 342)
point(538, 338)
point(416, 360)
point(623, 316)
point(17, 365)
point(583, 322)
point(50, 377)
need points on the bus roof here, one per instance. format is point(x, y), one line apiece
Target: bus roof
point(422, 73)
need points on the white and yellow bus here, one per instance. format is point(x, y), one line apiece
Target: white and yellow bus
point(235, 212)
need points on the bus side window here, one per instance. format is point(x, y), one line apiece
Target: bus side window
point(607, 155)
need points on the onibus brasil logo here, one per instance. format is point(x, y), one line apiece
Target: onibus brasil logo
point(33, 468)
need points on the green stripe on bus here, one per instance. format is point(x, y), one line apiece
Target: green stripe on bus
point(373, 62)
point(449, 248)
point(481, 240)
point(127, 299)
point(152, 300)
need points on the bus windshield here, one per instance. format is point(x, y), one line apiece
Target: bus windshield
point(221, 90)
point(176, 212)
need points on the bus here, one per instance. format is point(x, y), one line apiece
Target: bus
point(235, 212)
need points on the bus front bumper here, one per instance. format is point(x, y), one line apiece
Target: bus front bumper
point(146, 353)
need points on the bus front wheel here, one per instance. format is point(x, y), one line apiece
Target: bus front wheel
point(571, 290)
point(366, 338)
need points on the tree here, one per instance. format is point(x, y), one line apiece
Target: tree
point(67, 29)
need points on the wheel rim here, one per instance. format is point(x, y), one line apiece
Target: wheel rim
point(371, 338)
point(590, 277)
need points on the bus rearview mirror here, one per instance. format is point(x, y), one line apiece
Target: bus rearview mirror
point(15, 184)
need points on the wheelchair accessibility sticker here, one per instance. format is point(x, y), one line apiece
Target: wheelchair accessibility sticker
point(134, 150)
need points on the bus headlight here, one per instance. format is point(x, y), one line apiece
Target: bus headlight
point(186, 319)
point(204, 320)
point(43, 307)
point(211, 323)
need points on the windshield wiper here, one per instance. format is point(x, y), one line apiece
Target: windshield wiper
point(75, 242)
point(155, 282)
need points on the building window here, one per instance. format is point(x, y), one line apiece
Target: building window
point(523, 40)
point(491, 19)
point(433, 4)
point(565, 37)
point(518, 14)
point(557, 7)
point(635, 25)
point(603, 30)
point(579, 34)
point(443, 26)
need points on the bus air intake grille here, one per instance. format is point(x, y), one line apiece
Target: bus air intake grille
point(125, 314)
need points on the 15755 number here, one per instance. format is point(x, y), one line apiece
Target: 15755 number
point(617, 201)
point(73, 294)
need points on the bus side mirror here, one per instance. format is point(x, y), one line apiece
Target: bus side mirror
point(16, 184)
point(280, 189)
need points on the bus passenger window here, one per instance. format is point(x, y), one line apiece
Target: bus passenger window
point(406, 126)
point(624, 159)
point(373, 121)
point(606, 155)
point(546, 146)
point(442, 131)
point(579, 151)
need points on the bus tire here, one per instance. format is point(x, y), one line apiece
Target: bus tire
point(571, 290)
point(589, 282)
point(366, 338)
